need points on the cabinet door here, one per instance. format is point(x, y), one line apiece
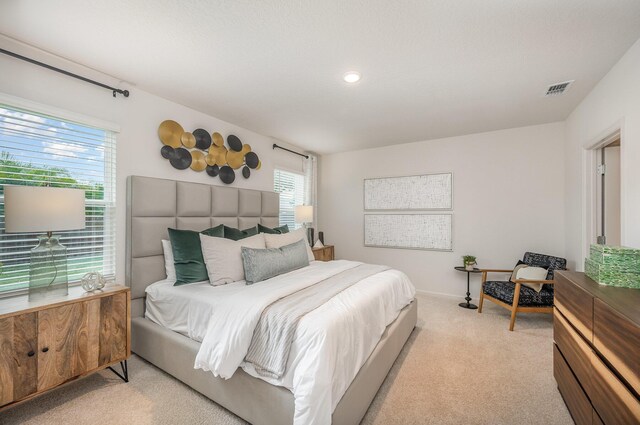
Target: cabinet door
point(113, 329)
point(63, 343)
point(18, 344)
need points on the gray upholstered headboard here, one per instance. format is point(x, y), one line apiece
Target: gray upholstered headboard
point(155, 204)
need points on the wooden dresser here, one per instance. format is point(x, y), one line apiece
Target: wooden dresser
point(596, 359)
point(325, 253)
point(47, 343)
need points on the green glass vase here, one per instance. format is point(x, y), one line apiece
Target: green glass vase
point(48, 271)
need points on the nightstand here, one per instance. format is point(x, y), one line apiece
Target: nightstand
point(325, 253)
point(50, 342)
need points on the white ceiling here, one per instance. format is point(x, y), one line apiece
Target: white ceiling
point(430, 68)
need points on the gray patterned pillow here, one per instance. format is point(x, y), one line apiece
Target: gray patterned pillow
point(263, 264)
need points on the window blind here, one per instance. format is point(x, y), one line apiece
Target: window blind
point(40, 150)
point(290, 186)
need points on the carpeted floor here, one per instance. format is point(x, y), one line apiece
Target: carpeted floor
point(458, 367)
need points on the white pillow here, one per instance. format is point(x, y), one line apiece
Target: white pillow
point(169, 266)
point(537, 273)
point(223, 257)
point(277, 241)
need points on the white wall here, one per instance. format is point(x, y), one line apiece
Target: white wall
point(508, 198)
point(613, 104)
point(138, 147)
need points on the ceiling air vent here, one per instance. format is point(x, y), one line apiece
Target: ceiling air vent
point(558, 88)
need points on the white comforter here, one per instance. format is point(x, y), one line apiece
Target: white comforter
point(331, 343)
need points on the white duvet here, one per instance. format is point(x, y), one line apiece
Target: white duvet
point(331, 343)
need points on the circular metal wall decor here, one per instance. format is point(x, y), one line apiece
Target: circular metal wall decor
point(213, 170)
point(218, 140)
point(182, 159)
point(170, 133)
point(198, 163)
point(234, 143)
point(187, 139)
point(217, 155)
point(205, 151)
point(167, 152)
point(227, 175)
point(203, 139)
point(251, 158)
point(235, 160)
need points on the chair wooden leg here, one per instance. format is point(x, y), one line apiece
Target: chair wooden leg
point(514, 307)
point(484, 279)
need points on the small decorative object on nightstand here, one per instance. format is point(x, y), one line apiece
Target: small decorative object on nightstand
point(326, 253)
point(468, 297)
point(92, 281)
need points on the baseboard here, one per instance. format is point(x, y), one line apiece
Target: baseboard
point(441, 294)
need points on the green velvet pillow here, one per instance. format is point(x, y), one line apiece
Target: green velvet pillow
point(274, 231)
point(282, 229)
point(237, 234)
point(217, 231)
point(187, 256)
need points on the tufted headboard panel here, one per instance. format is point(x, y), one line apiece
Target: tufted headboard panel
point(155, 204)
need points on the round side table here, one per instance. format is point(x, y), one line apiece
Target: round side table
point(468, 298)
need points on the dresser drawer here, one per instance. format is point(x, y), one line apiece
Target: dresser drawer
point(612, 400)
point(576, 305)
point(618, 340)
point(596, 418)
point(574, 349)
point(572, 393)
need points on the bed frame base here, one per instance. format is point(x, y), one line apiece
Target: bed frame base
point(250, 397)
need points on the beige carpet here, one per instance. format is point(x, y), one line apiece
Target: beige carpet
point(459, 367)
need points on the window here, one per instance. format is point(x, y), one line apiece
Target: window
point(290, 186)
point(40, 150)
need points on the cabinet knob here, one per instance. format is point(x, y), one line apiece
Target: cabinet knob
point(45, 349)
point(31, 353)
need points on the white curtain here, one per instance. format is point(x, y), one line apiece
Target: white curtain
point(310, 168)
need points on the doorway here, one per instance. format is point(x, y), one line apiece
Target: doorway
point(608, 194)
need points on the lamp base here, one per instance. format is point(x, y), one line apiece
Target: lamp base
point(48, 269)
point(310, 236)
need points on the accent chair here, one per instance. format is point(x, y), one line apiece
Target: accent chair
point(512, 295)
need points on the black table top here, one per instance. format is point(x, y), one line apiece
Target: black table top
point(462, 269)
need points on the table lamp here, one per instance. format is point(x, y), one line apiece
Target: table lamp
point(45, 209)
point(304, 214)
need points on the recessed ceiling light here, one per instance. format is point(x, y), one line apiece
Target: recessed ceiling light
point(351, 77)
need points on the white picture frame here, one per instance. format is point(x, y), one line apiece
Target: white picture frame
point(432, 232)
point(425, 192)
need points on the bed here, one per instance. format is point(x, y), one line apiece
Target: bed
point(153, 205)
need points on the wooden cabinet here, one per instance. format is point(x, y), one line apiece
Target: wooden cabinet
point(596, 350)
point(43, 345)
point(325, 253)
point(18, 346)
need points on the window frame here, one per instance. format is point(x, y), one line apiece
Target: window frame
point(28, 106)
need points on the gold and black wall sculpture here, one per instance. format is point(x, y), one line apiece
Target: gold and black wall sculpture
point(202, 151)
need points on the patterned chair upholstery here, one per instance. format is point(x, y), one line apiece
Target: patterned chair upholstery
point(503, 292)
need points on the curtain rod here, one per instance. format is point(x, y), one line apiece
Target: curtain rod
point(114, 90)
point(289, 150)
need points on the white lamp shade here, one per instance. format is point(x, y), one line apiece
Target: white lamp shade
point(303, 214)
point(43, 209)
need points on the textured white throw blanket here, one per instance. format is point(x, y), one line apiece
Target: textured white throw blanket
point(331, 343)
point(274, 333)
